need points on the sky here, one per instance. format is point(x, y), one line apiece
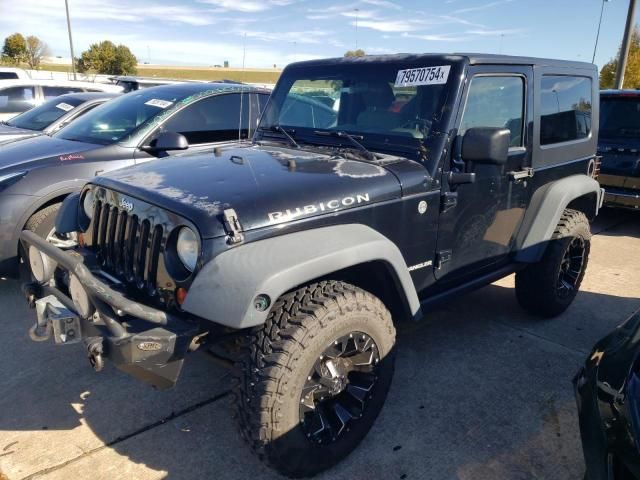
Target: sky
point(276, 32)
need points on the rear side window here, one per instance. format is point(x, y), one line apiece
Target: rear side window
point(51, 92)
point(495, 101)
point(565, 108)
point(8, 75)
point(214, 119)
point(16, 99)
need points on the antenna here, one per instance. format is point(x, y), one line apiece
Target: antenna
point(244, 55)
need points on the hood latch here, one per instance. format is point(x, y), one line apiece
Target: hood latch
point(232, 226)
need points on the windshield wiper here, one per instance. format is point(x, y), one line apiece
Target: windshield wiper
point(279, 129)
point(352, 138)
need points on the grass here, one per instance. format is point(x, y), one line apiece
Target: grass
point(251, 75)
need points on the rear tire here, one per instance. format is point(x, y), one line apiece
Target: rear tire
point(278, 400)
point(548, 287)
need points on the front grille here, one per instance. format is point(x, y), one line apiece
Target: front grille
point(127, 245)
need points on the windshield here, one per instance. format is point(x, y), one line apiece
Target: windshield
point(382, 103)
point(117, 119)
point(41, 117)
point(620, 117)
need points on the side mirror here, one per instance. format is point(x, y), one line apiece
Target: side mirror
point(166, 141)
point(486, 145)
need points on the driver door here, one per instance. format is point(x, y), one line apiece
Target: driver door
point(479, 221)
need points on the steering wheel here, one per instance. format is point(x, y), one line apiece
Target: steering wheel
point(421, 124)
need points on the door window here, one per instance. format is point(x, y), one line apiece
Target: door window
point(214, 119)
point(51, 92)
point(16, 99)
point(496, 101)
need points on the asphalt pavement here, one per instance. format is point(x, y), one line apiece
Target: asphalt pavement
point(482, 391)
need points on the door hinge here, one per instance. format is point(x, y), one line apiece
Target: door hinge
point(448, 201)
point(232, 226)
point(519, 175)
point(443, 257)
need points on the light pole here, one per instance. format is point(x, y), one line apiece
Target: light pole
point(626, 41)
point(595, 47)
point(73, 58)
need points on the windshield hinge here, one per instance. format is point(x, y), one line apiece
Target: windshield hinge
point(232, 226)
point(443, 257)
point(449, 200)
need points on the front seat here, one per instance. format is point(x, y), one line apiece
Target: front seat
point(377, 114)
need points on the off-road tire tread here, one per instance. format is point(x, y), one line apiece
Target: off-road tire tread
point(292, 324)
point(535, 284)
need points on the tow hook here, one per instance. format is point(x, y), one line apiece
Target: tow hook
point(30, 291)
point(95, 351)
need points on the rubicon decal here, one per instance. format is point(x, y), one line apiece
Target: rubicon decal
point(328, 206)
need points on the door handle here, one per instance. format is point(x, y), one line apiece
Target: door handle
point(458, 178)
point(521, 174)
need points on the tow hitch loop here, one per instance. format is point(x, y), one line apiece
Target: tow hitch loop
point(95, 351)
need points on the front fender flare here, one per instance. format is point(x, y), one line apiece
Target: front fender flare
point(225, 289)
point(545, 210)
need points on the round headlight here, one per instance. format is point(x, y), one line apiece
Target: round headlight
point(87, 204)
point(187, 248)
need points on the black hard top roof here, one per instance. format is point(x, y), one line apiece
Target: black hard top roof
point(472, 58)
point(626, 92)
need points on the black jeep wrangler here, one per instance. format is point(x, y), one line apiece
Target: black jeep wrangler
point(375, 187)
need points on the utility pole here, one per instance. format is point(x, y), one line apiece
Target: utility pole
point(626, 41)
point(73, 57)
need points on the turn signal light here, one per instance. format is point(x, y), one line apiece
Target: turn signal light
point(181, 295)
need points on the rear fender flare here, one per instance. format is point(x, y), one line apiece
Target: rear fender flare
point(545, 210)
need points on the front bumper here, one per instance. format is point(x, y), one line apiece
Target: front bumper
point(143, 341)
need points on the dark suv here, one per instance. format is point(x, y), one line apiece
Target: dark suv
point(619, 145)
point(375, 187)
point(36, 174)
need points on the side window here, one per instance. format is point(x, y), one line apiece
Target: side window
point(565, 109)
point(51, 92)
point(496, 101)
point(16, 99)
point(214, 119)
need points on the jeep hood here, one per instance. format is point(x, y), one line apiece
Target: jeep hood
point(9, 133)
point(41, 149)
point(265, 186)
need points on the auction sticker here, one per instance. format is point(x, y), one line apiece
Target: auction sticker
point(423, 76)
point(155, 102)
point(64, 106)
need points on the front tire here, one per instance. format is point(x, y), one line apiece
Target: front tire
point(315, 377)
point(548, 287)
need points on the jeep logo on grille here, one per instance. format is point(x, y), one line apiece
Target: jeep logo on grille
point(126, 204)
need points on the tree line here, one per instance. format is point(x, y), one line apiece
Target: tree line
point(103, 57)
point(108, 58)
